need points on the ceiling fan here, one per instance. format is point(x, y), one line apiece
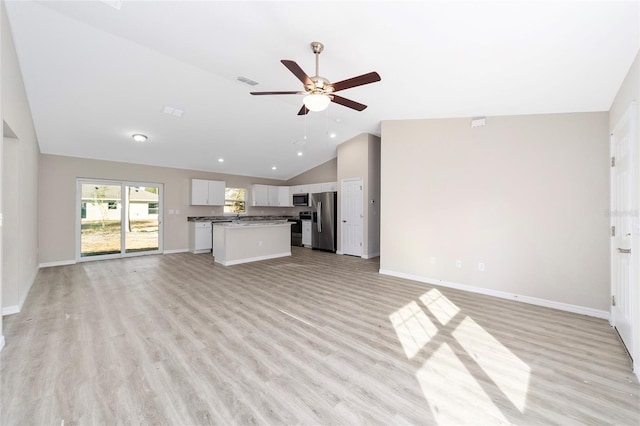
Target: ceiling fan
point(318, 90)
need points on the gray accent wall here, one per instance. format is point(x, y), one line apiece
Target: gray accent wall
point(525, 195)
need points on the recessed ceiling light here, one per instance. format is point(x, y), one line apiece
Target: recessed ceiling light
point(220, 160)
point(138, 137)
point(332, 135)
point(300, 154)
point(274, 168)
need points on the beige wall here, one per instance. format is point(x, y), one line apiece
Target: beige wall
point(19, 182)
point(359, 157)
point(629, 92)
point(526, 195)
point(57, 215)
point(325, 172)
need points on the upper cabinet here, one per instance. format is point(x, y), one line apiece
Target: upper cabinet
point(259, 195)
point(314, 188)
point(271, 196)
point(329, 186)
point(207, 192)
point(300, 189)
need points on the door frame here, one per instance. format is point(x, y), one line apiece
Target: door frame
point(628, 118)
point(123, 184)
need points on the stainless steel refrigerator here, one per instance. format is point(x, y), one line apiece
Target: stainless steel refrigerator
point(324, 226)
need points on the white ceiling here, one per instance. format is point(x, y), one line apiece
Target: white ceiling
point(94, 75)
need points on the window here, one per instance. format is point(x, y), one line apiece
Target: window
point(153, 208)
point(113, 205)
point(235, 200)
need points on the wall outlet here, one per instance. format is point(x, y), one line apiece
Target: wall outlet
point(177, 211)
point(481, 266)
point(171, 211)
point(432, 260)
point(459, 264)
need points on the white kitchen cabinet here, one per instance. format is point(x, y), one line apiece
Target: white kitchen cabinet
point(271, 196)
point(306, 232)
point(299, 189)
point(200, 240)
point(207, 192)
point(284, 196)
point(314, 188)
point(274, 196)
point(260, 195)
point(329, 186)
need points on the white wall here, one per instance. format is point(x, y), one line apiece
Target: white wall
point(525, 195)
point(19, 182)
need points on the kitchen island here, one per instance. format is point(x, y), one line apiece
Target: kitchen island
point(242, 242)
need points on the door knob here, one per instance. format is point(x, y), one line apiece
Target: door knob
point(624, 251)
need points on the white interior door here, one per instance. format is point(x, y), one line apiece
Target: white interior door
point(352, 217)
point(625, 232)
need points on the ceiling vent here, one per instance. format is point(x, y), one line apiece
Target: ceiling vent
point(248, 81)
point(116, 4)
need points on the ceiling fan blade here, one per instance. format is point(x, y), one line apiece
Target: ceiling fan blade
point(303, 110)
point(297, 71)
point(277, 93)
point(371, 77)
point(348, 103)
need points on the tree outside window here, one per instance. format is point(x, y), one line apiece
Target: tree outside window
point(235, 200)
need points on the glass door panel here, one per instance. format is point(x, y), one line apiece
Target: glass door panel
point(142, 224)
point(100, 219)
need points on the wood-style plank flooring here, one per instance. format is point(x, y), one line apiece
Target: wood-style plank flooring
point(312, 339)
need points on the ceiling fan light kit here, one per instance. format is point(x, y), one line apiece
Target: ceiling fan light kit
point(318, 90)
point(316, 102)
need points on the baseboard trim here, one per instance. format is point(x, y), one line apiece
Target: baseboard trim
point(58, 263)
point(200, 251)
point(1, 342)
point(583, 310)
point(252, 259)
point(10, 310)
point(339, 252)
point(175, 251)
point(371, 255)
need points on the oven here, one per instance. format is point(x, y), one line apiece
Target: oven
point(296, 232)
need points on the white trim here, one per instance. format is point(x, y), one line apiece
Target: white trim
point(339, 252)
point(200, 251)
point(371, 255)
point(252, 259)
point(1, 342)
point(57, 263)
point(10, 310)
point(175, 251)
point(583, 310)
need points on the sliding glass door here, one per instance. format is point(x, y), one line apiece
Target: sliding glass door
point(117, 219)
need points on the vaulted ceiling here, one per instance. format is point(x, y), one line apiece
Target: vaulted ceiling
point(96, 74)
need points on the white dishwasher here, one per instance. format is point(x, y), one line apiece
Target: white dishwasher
point(200, 237)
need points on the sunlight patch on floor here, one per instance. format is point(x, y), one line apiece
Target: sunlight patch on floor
point(510, 374)
point(441, 307)
point(413, 327)
point(453, 394)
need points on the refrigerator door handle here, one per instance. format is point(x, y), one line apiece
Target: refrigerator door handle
point(319, 213)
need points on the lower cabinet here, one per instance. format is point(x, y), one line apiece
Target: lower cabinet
point(200, 240)
point(306, 232)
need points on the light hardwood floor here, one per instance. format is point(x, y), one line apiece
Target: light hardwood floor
point(312, 339)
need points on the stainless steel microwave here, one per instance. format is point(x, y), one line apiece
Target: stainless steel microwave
point(300, 199)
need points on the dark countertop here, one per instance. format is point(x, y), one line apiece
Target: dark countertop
point(241, 218)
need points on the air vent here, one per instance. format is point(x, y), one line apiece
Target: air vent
point(116, 4)
point(173, 111)
point(248, 81)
